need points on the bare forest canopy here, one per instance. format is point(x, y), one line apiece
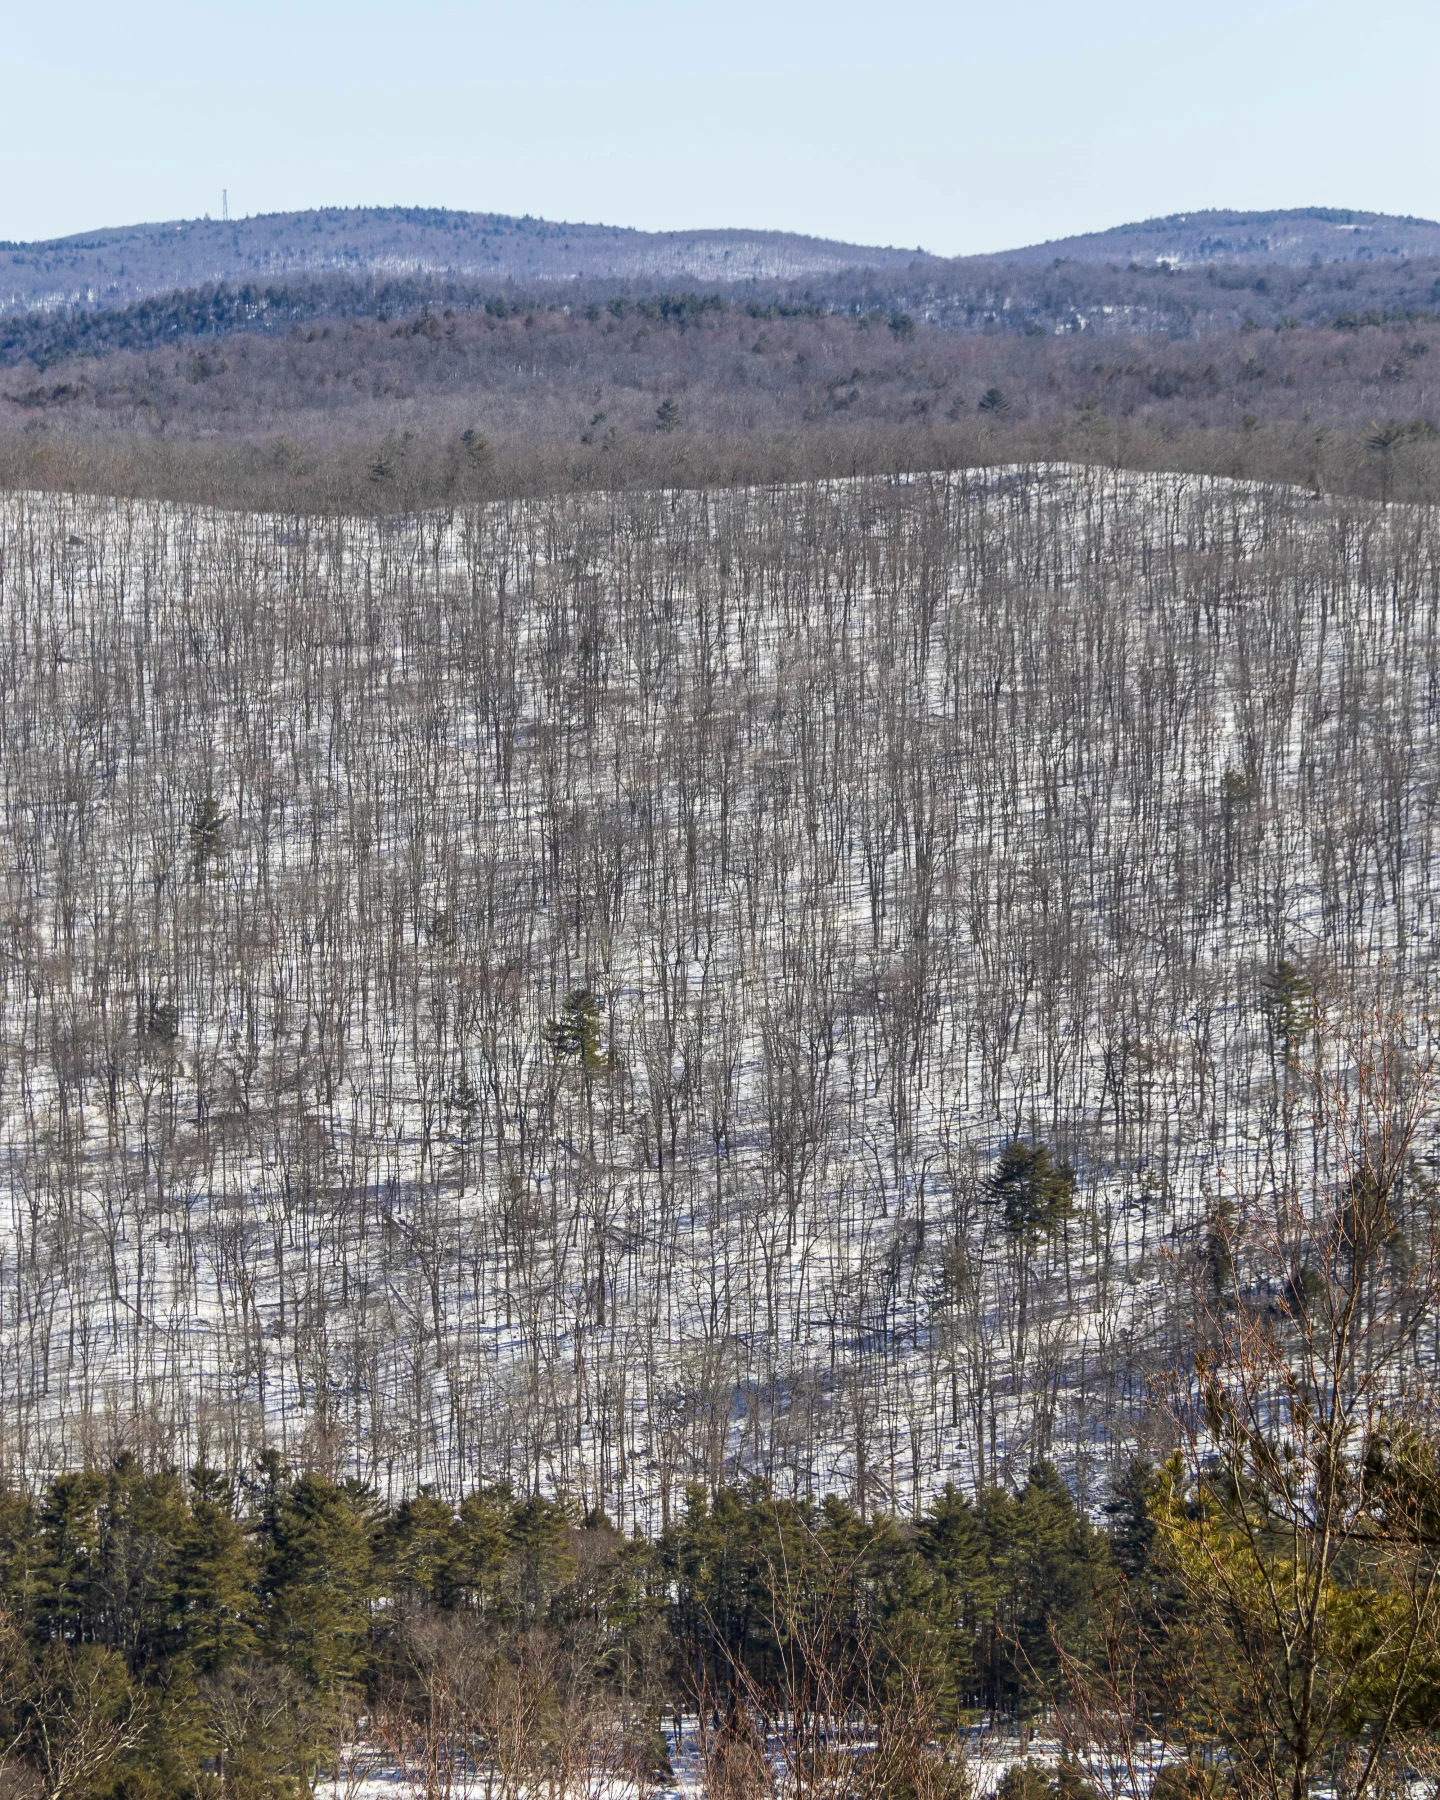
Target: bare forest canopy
point(386, 389)
point(365, 411)
point(604, 992)
point(988, 296)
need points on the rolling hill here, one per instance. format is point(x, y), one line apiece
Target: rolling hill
point(119, 266)
point(115, 267)
point(1291, 237)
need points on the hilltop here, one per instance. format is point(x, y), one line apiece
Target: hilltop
point(1287, 237)
point(118, 266)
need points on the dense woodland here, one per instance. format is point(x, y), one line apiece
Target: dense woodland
point(1106, 300)
point(530, 374)
point(802, 1108)
point(544, 992)
point(216, 1637)
point(369, 393)
point(374, 417)
point(183, 1637)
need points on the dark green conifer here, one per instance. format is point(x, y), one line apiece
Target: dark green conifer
point(319, 1579)
point(1036, 1191)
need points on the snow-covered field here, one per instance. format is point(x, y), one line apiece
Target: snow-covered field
point(882, 820)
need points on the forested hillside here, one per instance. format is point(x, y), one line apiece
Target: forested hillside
point(375, 395)
point(606, 992)
point(121, 264)
point(701, 1141)
point(1293, 235)
point(375, 416)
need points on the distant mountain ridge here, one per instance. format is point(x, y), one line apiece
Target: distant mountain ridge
point(1292, 236)
point(120, 266)
point(116, 266)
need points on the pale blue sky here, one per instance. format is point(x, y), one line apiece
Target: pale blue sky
point(958, 127)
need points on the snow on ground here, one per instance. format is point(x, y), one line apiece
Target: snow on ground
point(884, 820)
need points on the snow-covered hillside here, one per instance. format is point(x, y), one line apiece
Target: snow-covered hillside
point(538, 992)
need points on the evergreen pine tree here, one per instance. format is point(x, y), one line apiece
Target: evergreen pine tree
point(319, 1579)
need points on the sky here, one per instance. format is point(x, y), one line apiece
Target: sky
point(957, 128)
